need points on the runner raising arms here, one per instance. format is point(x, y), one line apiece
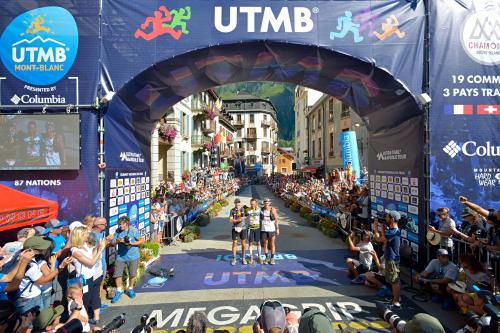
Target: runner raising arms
point(254, 230)
point(237, 219)
point(269, 229)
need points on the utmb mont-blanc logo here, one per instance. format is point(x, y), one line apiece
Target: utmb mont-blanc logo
point(40, 45)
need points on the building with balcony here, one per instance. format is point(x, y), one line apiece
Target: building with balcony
point(170, 158)
point(284, 161)
point(254, 120)
point(325, 120)
point(304, 98)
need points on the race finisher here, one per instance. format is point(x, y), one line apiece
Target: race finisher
point(269, 229)
point(254, 230)
point(237, 219)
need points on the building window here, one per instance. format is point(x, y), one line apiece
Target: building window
point(265, 132)
point(330, 105)
point(284, 170)
point(319, 147)
point(313, 149)
point(319, 119)
point(265, 117)
point(331, 141)
point(345, 111)
point(239, 118)
point(252, 118)
point(239, 133)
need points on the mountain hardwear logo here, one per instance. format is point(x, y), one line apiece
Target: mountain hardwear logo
point(40, 46)
point(452, 149)
point(163, 22)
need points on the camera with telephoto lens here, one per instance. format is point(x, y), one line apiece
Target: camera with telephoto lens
point(114, 324)
point(390, 317)
point(145, 326)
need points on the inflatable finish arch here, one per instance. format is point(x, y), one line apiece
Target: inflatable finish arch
point(370, 54)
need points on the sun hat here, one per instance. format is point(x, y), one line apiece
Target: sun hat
point(424, 323)
point(433, 237)
point(458, 286)
point(75, 224)
point(37, 243)
point(47, 316)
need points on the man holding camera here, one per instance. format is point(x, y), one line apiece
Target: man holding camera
point(436, 276)
point(392, 239)
point(128, 240)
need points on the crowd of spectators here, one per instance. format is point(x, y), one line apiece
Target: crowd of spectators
point(463, 268)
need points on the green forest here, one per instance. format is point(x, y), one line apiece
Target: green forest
point(281, 95)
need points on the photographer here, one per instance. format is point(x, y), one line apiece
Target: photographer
point(447, 227)
point(128, 240)
point(11, 321)
point(364, 248)
point(11, 280)
point(48, 320)
point(392, 239)
point(436, 276)
point(420, 323)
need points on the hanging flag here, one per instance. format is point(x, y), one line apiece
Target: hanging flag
point(217, 138)
point(218, 104)
point(229, 138)
point(222, 136)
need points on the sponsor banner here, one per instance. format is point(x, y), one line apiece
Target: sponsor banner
point(465, 141)
point(238, 316)
point(49, 54)
point(349, 146)
point(128, 194)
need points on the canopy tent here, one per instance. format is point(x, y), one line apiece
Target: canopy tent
point(21, 209)
point(308, 170)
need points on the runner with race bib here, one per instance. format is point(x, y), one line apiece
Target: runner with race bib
point(269, 230)
point(237, 219)
point(254, 230)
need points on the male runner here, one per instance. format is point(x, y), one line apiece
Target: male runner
point(237, 219)
point(269, 229)
point(254, 230)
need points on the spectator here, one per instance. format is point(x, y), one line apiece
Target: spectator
point(447, 228)
point(100, 271)
point(153, 226)
point(10, 281)
point(315, 321)
point(53, 230)
point(377, 279)
point(463, 291)
point(436, 277)
point(85, 258)
point(48, 320)
point(493, 216)
point(198, 323)
point(29, 294)
point(364, 264)
point(128, 240)
point(11, 321)
point(25, 233)
point(392, 238)
point(76, 308)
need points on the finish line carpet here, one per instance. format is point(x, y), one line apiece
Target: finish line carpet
point(212, 270)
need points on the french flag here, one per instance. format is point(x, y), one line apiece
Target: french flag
point(458, 109)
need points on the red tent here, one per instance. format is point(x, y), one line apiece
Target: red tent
point(18, 209)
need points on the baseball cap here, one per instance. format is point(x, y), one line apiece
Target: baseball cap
point(37, 243)
point(237, 200)
point(75, 224)
point(12, 247)
point(394, 214)
point(47, 316)
point(23, 232)
point(442, 252)
point(39, 230)
point(266, 200)
point(54, 223)
point(467, 212)
point(424, 323)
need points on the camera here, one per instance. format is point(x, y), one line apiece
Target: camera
point(145, 326)
point(487, 323)
point(390, 317)
point(126, 242)
point(114, 324)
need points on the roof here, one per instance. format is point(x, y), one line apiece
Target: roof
point(244, 95)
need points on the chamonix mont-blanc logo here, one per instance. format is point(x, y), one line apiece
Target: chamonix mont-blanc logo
point(40, 46)
point(481, 36)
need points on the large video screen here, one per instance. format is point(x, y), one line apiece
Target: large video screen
point(40, 142)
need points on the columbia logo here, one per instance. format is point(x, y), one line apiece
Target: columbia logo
point(452, 149)
point(15, 99)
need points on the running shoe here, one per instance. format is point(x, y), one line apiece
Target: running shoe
point(131, 293)
point(393, 306)
point(250, 260)
point(117, 296)
point(260, 261)
point(244, 261)
point(272, 261)
point(233, 262)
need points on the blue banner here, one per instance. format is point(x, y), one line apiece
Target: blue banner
point(350, 155)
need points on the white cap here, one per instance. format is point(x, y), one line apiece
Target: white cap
point(75, 224)
point(12, 247)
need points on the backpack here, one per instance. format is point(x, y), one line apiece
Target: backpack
point(272, 314)
point(315, 321)
point(159, 271)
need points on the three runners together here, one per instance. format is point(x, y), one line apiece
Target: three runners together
point(260, 226)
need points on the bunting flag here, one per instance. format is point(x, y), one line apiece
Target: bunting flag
point(229, 138)
point(222, 136)
point(218, 104)
point(217, 138)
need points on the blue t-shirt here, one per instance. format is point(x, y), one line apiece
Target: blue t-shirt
point(124, 253)
point(3, 296)
point(393, 237)
point(59, 242)
point(98, 237)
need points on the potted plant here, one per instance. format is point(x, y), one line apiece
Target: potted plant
point(167, 132)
